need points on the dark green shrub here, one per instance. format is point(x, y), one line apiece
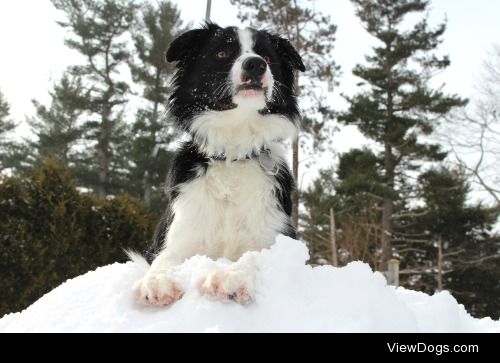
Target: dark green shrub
point(50, 232)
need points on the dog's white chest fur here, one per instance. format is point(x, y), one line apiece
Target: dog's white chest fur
point(230, 209)
point(235, 183)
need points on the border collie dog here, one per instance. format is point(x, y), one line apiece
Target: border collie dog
point(229, 187)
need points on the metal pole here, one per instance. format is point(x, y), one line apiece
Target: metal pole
point(209, 6)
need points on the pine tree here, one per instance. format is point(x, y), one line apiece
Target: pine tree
point(317, 200)
point(58, 127)
point(99, 29)
point(353, 191)
point(452, 246)
point(313, 34)
point(6, 125)
point(158, 26)
point(399, 106)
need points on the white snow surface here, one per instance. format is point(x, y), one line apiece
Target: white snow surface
point(291, 297)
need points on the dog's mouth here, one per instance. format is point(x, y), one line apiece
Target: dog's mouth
point(250, 89)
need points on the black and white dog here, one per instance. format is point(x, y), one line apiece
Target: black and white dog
point(229, 186)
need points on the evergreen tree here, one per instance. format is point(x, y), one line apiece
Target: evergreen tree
point(99, 29)
point(448, 244)
point(58, 127)
point(50, 232)
point(313, 34)
point(6, 125)
point(317, 200)
point(158, 26)
point(354, 196)
point(398, 106)
point(451, 245)
point(358, 172)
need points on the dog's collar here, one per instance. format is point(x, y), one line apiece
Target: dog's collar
point(249, 156)
point(263, 155)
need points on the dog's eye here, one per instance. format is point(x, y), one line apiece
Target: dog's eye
point(222, 54)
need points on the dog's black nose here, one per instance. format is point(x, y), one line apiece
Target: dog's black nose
point(254, 66)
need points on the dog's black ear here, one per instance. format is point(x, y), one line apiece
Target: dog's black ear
point(184, 45)
point(189, 43)
point(285, 49)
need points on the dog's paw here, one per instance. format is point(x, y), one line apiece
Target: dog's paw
point(157, 289)
point(228, 285)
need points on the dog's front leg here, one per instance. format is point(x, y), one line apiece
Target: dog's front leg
point(158, 287)
point(236, 282)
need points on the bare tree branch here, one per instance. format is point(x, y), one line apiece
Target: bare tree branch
point(473, 134)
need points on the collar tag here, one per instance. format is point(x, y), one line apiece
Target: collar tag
point(267, 163)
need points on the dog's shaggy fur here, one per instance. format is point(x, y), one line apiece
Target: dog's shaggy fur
point(229, 186)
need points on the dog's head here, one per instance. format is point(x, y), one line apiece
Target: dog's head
point(239, 72)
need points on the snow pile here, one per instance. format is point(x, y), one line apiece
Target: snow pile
point(292, 297)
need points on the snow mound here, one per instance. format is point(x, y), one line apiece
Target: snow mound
point(291, 297)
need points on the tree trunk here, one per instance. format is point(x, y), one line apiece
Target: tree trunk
point(103, 156)
point(389, 166)
point(295, 166)
point(146, 180)
point(333, 238)
point(439, 276)
point(295, 194)
point(388, 209)
point(387, 233)
point(147, 190)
